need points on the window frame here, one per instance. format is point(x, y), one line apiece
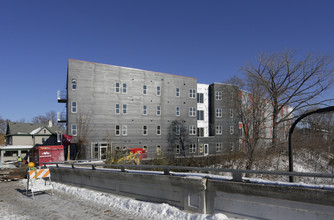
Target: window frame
point(124, 130)
point(117, 130)
point(177, 110)
point(177, 149)
point(144, 109)
point(158, 91)
point(144, 89)
point(192, 112)
point(219, 112)
point(74, 107)
point(117, 87)
point(192, 129)
point(177, 92)
point(158, 149)
point(74, 84)
point(124, 88)
point(117, 108)
point(231, 130)
point(177, 130)
point(219, 129)
point(74, 129)
point(219, 147)
point(200, 115)
point(192, 93)
point(158, 130)
point(145, 130)
point(200, 98)
point(219, 95)
point(124, 109)
point(192, 148)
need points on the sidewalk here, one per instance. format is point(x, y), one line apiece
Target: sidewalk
point(15, 205)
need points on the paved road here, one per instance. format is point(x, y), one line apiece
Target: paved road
point(15, 205)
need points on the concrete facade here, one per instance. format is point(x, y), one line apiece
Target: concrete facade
point(124, 107)
point(112, 107)
point(224, 118)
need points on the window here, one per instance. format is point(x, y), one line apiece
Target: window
point(192, 93)
point(177, 92)
point(158, 91)
point(200, 115)
point(177, 110)
point(177, 149)
point(192, 148)
point(158, 150)
point(158, 130)
point(144, 89)
point(74, 107)
point(44, 140)
point(145, 110)
point(74, 129)
point(117, 109)
point(218, 95)
point(231, 146)
point(124, 88)
point(124, 130)
point(117, 131)
point(177, 129)
point(219, 147)
point(158, 110)
point(200, 98)
point(231, 130)
point(144, 130)
point(74, 84)
point(219, 129)
point(219, 112)
point(124, 109)
point(192, 130)
point(192, 112)
point(231, 113)
point(200, 132)
point(117, 88)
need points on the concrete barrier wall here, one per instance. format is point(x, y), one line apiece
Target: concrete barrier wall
point(262, 201)
point(185, 193)
point(247, 200)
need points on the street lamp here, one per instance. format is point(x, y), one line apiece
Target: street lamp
point(320, 110)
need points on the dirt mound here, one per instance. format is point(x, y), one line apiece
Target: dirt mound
point(14, 173)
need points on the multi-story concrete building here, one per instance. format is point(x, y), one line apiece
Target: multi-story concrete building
point(111, 107)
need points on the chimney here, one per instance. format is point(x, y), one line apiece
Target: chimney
point(50, 123)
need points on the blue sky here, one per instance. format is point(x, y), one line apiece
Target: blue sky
point(209, 40)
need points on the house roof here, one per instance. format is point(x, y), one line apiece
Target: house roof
point(16, 128)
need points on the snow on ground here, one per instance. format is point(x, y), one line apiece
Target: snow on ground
point(138, 208)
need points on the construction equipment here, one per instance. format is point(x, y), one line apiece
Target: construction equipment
point(129, 156)
point(40, 154)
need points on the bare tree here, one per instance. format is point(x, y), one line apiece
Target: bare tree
point(291, 82)
point(3, 125)
point(177, 135)
point(235, 80)
point(253, 116)
point(83, 122)
point(44, 119)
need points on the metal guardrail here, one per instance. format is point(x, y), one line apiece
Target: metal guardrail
point(236, 174)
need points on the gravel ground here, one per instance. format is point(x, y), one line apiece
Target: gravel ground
point(14, 204)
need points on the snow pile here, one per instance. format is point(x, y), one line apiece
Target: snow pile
point(128, 205)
